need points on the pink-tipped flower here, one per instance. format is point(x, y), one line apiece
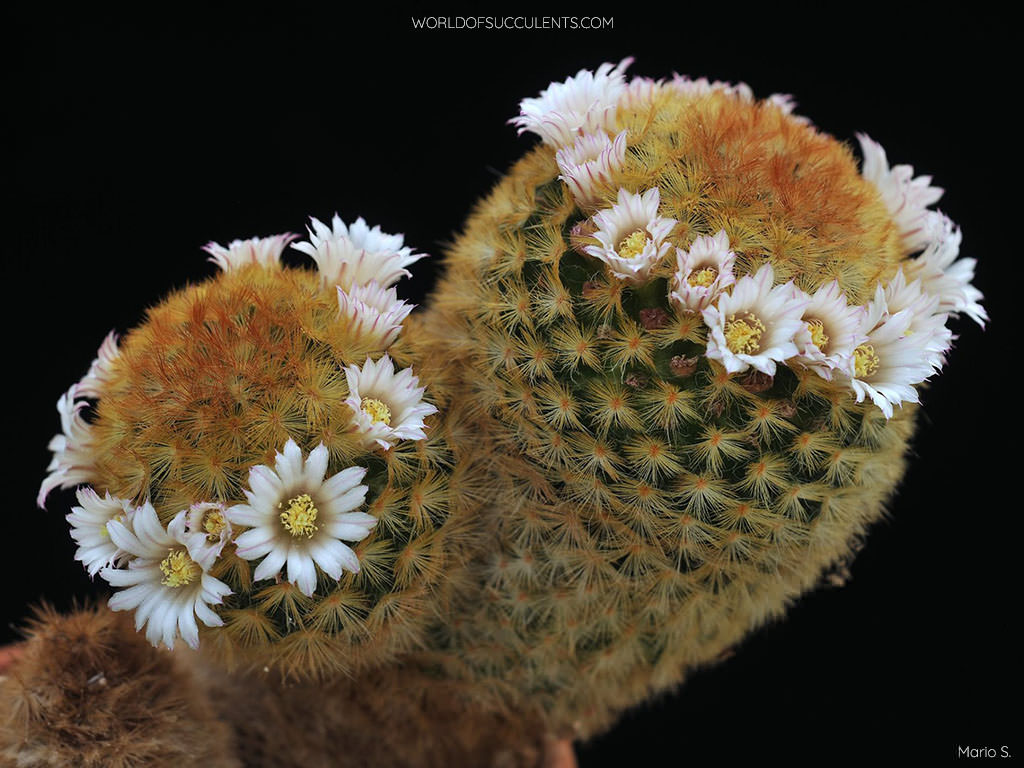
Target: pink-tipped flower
point(632, 235)
point(586, 103)
point(907, 198)
point(590, 164)
point(927, 320)
point(73, 449)
point(264, 251)
point(641, 93)
point(755, 326)
point(387, 405)
point(888, 364)
point(703, 87)
point(949, 278)
point(374, 314)
point(702, 272)
point(355, 255)
point(101, 372)
point(785, 103)
point(830, 332)
point(96, 550)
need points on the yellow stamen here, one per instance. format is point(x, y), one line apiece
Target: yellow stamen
point(119, 518)
point(703, 277)
point(377, 410)
point(179, 569)
point(743, 335)
point(300, 517)
point(865, 361)
point(214, 525)
point(818, 335)
point(633, 246)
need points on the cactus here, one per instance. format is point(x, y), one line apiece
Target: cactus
point(668, 380)
point(233, 373)
point(662, 496)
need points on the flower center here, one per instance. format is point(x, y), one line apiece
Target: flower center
point(702, 278)
point(634, 245)
point(865, 361)
point(378, 412)
point(300, 517)
point(818, 336)
point(743, 335)
point(178, 569)
point(120, 518)
point(214, 525)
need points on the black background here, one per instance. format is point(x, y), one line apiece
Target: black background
point(136, 141)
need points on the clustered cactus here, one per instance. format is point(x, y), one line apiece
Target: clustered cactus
point(674, 358)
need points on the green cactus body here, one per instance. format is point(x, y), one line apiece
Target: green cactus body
point(655, 509)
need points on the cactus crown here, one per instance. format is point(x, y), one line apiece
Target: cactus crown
point(217, 379)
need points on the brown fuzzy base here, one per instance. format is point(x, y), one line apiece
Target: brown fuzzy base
point(87, 690)
point(389, 718)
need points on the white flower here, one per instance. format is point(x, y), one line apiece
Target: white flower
point(786, 104)
point(830, 331)
point(96, 550)
point(264, 251)
point(73, 449)
point(586, 103)
point(590, 163)
point(374, 314)
point(386, 406)
point(906, 198)
point(641, 93)
point(702, 272)
point(167, 579)
point(356, 255)
point(210, 519)
point(298, 518)
point(702, 87)
point(101, 372)
point(755, 325)
point(926, 318)
point(943, 275)
point(888, 364)
point(632, 235)
point(784, 101)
